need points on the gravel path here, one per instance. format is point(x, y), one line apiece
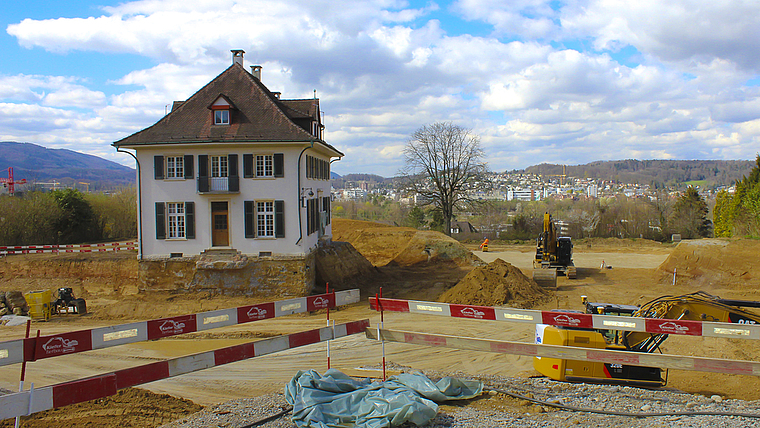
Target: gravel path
point(497, 408)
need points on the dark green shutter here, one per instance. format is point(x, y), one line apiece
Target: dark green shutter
point(279, 219)
point(308, 217)
point(248, 217)
point(190, 220)
point(203, 173)
point(233, 183)
point(189, 167)
point(326, 208)
point(247, 166)
point(158, 167)
point(279, 165)
point(160, 221)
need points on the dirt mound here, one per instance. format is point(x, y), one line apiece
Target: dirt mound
point(497, 284)
point(341, 266)
point(719, 263)
point(130, 407)
point(383, 245)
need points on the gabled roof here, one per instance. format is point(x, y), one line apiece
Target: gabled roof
point(260, 116)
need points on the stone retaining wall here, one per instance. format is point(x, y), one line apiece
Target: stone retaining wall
point(260, 276)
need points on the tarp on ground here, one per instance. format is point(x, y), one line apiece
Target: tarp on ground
point(336, 400)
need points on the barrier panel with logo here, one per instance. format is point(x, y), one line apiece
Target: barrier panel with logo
point(104, 385)
point(571, 319)
point(37, 348)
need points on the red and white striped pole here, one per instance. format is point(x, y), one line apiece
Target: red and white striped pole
point(382, 341)
point(327, 291)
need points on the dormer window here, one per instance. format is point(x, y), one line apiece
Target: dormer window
point(221, 110)
point(222, 117)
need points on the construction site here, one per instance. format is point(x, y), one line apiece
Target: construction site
point(395, 268)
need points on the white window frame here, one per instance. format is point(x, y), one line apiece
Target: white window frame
point(175, 167)
point(265, 227)
point(219, 166)
point(222, 117)
point(264, 166)
point(175, 220)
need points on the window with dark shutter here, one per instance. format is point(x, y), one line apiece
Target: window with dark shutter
point(279, 165)
point(308, 216)
point(279, 219)
point(190, 220)
point(234, 178)
point(247, 166)
point(160, 221)
point(203, 173)
point(158, 167)
point(326, 208)
point(248, 219)
point(188, 167)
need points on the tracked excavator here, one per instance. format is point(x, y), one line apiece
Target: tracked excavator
point(554, 255)
point(698, 306)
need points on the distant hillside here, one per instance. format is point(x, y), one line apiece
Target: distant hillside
point(372, 179)
point(42, 165)
point(658, 173)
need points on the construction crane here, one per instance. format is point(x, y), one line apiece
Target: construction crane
point(561, 176)
point(10, 182)
point(87, 186)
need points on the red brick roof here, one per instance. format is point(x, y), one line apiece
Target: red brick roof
point(259, 116)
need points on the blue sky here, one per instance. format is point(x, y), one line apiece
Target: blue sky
point(538, 81)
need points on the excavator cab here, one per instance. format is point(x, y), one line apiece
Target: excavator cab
point(554, 255)
point(590, 371)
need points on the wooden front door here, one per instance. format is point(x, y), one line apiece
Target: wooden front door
point(220, 236)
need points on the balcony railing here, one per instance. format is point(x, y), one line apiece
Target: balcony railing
point(218, 184)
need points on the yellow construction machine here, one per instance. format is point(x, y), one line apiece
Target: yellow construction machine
point(554, 255)
point(698, 306)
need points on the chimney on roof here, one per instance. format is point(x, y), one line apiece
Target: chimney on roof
point(237, 56)
point(256, 71)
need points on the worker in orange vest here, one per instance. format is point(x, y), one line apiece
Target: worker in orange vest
point(484, 245)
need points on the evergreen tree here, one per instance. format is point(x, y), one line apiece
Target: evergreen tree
point(78, 222)
point(723, 219)
point(690, 215)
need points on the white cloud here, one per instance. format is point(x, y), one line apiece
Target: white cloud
point(548, 84)
point(691, 32)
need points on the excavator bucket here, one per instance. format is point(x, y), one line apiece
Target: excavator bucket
point(545, 277)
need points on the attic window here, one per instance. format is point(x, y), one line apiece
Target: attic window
point(221, 109)
point(222, 117)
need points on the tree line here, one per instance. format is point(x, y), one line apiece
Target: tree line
point(738, 214)
point(442, 160)
point(68, 216)
point(619, 217)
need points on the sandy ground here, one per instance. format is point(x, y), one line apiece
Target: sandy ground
point(633, 279)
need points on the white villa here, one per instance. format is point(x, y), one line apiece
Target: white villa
point(233, 169)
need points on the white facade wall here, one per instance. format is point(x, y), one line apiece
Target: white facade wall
point(251, 189)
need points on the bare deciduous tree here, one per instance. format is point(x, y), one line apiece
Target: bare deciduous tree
point(441, 161)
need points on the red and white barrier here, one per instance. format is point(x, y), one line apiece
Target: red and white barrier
point(37, 348)
point(572, 319)
point(78, 391)
point(571, 353)
point(81, 248)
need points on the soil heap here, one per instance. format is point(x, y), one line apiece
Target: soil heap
point(714, 263)
point(497, 284)
point(404, 246)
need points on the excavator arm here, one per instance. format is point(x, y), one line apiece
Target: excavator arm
point(699, 306)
